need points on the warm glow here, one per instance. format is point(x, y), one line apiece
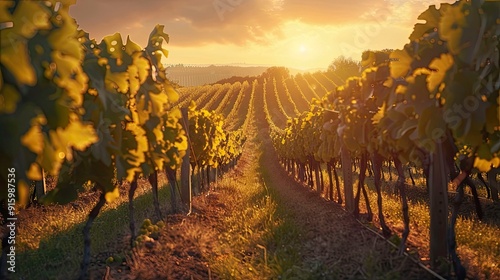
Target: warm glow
point(291, 33)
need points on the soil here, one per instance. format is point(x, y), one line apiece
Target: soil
point(332, 241)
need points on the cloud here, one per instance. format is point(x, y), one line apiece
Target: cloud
point(201, 22)
point(320, 12)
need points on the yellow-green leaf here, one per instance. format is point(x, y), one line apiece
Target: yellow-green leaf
point(110, 196)
point(117, 80)
point(431, 16)
point(172, 94)
point(441, 65)
point(29, 17)
point(34, 172)
point(33, 140)
point(8, 99)
point(16, 59)
point(485, 165)
point(400, 62)
point(76, 135)
point(131, 47)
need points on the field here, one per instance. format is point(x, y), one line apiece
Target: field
point(255, 222)
point(383, 168)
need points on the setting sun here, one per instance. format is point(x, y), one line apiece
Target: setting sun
point(302, 49)
point(254, 33)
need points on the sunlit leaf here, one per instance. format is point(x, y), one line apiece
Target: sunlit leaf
point(9, 97)
point(5, 15)
point(485, 165)
point(380, 114)
point(34, 172)
point(63, 39)
point(16, 59)
point(23, 193)
point(132, 47)
point(39, 18)
point(459, 26)
point(112, 195)
point(66, 67)
point(441, 66)
point(172, 94)
point(400, 63)
point(117, 80)
point(33, 139)
point(431, 17)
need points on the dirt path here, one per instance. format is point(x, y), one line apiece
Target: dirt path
point(326, 243)
point(184, 246)
point(189, 245)
point(258, 224)
point(334, 243)
point(331, 244)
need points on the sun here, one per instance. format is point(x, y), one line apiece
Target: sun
point(302, 49)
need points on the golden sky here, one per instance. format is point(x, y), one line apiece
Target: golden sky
point(303, 34)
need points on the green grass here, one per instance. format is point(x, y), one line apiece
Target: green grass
point(59, 252)
point(477, 242)
point(258, 240)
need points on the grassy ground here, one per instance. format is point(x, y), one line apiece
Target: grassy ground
point(258, 239)
point(256, 223)
point(478, 241)
point(51, 240)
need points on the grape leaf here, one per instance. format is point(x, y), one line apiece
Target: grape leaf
point(459, 26)
point(16, 59)
point(441, 66)
point(431, 17)
point(34, 139)
point(9, 97)
point(400, 63)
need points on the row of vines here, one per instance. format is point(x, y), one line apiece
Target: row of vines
point(87, 112)
point(434, 104)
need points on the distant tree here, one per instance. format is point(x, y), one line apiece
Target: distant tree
point(234, 79)
point(276, 71)
point(343, 63)
point(344, 67)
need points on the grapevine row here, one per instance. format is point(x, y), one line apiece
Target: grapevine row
point(308, 88)
point(233, 90)
point(84, 111)
point(196, 93)
point(233, 115)
point(289, 96)
point(433, 103)
point(323, 90)
point(273, 122)
point(277, 98)
point(284, 97)
point(302, 99)
point(231, 102)
point(211, 102)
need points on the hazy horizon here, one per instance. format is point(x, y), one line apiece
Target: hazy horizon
point(236, 64)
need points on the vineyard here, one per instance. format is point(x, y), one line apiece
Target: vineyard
point(386, 170)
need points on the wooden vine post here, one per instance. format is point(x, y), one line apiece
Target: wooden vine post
point(492, 181)
point(40, 187)
point(186, 190)
point(347, 172)
point(438, 210)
